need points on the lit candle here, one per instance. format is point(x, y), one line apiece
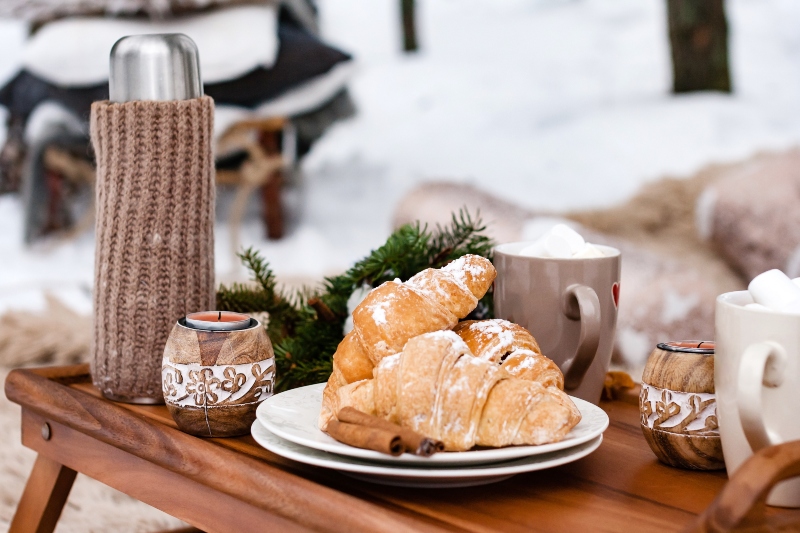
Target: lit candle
point(218, 321)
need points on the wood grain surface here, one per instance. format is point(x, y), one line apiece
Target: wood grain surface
point(205, 414)
point(686, 451)
point(226, 421)
point(618, 486)
point(689, 373)
point(742, 503)
point(44, 496)
point(680, 371)
point(186, 345)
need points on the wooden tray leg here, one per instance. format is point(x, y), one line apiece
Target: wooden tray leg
point(273, 207)
point(271, 191)
point(44, 497)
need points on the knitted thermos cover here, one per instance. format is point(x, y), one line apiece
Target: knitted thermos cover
point(154, 260)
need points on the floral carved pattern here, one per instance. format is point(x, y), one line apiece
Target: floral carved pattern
point(171, 382)
point(678, 412)
point(233, 380)
point(212, 386)
point(203, 385)
point(262, 388)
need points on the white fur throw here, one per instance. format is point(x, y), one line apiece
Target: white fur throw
point(750, 215)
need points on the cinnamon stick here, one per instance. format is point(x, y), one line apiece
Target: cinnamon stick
point(370, 438)
point(413, 442)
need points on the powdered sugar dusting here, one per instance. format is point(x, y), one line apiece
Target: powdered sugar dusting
point(379, 313)
point(465, 264)
point(444, 334)
point(500, 330)
point(433, 289)
point(390, 361)
point(378, 309)
point(494, 326)
point(462, 384)
point(529, 361)
point(459, 268)
point(456, 264)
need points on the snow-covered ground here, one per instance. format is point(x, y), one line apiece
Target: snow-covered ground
point(553, 103)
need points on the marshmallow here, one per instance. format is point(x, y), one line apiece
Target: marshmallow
point(561, 242)
point(537, 227)
point(550, 245)
point(573, 238)
point(534, 250)
point(589, 250)
point(558, 246)
point(756, 307)
point(774, 289)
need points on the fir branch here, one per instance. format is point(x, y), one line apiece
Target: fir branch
point(465, 236)
point(245, 298)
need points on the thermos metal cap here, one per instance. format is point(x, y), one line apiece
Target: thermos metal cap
point(158, 67)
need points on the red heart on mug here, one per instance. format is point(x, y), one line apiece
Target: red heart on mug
point(615, 294)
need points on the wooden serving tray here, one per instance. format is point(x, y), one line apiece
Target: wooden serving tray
point(235, 485)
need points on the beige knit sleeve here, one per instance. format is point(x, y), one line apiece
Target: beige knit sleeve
point(154, 258)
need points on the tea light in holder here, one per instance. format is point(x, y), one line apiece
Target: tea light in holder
point(678, 406)
point(217, 321)
point(217, 367)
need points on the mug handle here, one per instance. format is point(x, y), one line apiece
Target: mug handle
point(581, 303)
point(762, 364)
point(743, 500)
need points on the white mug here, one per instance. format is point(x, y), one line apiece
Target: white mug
point(757, 382)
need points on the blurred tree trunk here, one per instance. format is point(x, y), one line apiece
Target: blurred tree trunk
point(698, 35)
point(409, 25)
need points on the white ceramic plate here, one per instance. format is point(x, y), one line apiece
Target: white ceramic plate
point(415, 475)
point(292, 415)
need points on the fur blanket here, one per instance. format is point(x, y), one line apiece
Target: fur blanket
point(670, 276)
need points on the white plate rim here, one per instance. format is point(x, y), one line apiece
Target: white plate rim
point(348, 464)
point(439, 459)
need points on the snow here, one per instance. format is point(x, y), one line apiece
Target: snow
point(555, 104)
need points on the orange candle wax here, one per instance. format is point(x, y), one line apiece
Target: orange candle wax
point(218, 320)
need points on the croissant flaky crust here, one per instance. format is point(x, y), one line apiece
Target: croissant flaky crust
point(436, 387)
point(512, 347)
point(393, 313)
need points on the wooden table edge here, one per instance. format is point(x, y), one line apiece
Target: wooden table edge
point(287, 496)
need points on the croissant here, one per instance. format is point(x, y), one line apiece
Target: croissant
point(436, 387)
point(393, 313)
point(511, 346)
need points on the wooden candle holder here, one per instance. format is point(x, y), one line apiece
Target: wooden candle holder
point(213, 381)
point(678, 407)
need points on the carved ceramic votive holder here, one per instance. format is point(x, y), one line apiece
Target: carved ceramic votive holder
point(213, 379)
point(678, 407)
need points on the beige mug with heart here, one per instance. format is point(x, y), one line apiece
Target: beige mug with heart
point(568, 304)
point(757, 382)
